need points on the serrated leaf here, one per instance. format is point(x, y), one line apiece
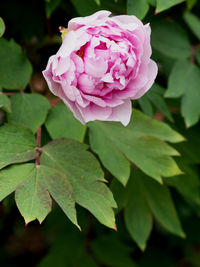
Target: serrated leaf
point(170, 39)
point(15, 69)
point(29, 110)
point(5, 103)
point(61, 123)
point(17, 144)
point(140, 142)
point(34, 185)
point(160, 202)
point(193, 23)
point(13, 176)
point(109, 153)
point(85, 176)
point(33, 199)
point(138, 217)
point(2, 27)
point(185, 81)
point(137, 8)
point(166, 4)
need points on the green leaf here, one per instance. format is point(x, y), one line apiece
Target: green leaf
point(146, 105)
point(108, 152)
point(17, 144)
point(197, 56)
point(138, 217)
point(156, 97)
point(160, 202)
point(170, 39)
point(137, 8)
point(85, 8)
point(142, 125)
point(188, 184)
point(185, 81)
point(2, 27)
point(32, 197)
point(97, 2)
point(193, 23)
point(119, 194)
point(191, 4)
point(61, 123)
point(29, 110)
point(166, 4)
point(85, 176)
point(13, 176)
point(33, 184)
point(111, 251)
point(5, 102)
point(15, 69)
point(50, 6)
point(140, 142)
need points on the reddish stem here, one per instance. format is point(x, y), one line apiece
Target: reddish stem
point(8, 93)
point(37, 161)
point(193, 51)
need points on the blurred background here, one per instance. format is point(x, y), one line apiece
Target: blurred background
point(34, 25)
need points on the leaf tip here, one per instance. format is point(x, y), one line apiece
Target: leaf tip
point(143, 248)
point(80, 229)
point(115, 227)
point(183, 235)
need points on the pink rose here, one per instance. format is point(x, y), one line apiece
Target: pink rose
point(102, 64)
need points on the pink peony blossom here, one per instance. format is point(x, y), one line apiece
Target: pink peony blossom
point(102, 64)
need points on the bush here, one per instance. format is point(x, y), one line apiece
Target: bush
point(119, 196)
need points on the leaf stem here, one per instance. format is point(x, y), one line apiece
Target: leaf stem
point(193, 51)
point(37, 161)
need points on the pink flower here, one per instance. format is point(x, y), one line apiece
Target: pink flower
point(102, 64)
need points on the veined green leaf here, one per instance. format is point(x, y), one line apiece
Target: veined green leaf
point(17, 144)
point(15, 69)
point(166, 4)
point(140, 142)
point(61, 123)
point(193, 23)
point(5, 102)
point(29, 110)
point(170, 39)
point(85, 176)
point(185, 81)
point(138, 216)
point(137, 8)
point(33, 186)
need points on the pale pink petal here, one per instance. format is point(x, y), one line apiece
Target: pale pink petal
point(86, 83)
point(122, 113)
point(89, 20)
point(96, 67)
point(127, 22)
point(152, 73)
point(96, 100)
point(94, 112)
